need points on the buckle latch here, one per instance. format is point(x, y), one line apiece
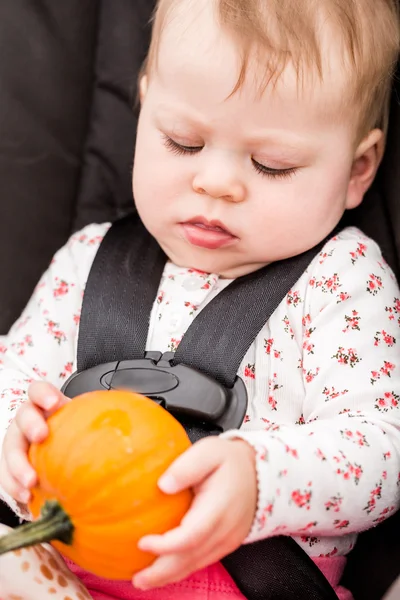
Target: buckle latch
point(183, 391)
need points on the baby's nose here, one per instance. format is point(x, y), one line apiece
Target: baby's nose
point(220, 179)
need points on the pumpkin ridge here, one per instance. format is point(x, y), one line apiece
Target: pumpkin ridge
point(125, 476)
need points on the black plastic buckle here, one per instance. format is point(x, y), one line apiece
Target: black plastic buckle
point(183, 391)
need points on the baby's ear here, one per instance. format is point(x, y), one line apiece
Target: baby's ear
point(367, 159)
point(143, 83)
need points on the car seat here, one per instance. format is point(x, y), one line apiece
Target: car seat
point(68, 73)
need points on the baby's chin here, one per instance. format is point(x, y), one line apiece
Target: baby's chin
point(220, 262)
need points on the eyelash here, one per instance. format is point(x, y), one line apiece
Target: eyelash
point(180, 150)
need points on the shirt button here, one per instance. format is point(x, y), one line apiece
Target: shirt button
point(191, 284)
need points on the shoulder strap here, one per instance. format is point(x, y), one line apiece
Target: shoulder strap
point(219, 337)
point(122, 287)
point(119, 295)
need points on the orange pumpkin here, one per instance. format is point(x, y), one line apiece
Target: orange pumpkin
point(97, 491)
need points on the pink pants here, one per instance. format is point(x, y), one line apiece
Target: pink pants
point(212, 583)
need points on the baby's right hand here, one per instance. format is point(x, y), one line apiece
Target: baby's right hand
point(29, 425)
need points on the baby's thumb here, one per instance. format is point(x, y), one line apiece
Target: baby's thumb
point(192, 467)
point(46, 396)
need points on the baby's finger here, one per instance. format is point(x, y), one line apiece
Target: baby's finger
point(192, 467)
point(170, 568)
point(15, 457)
point(164, 571)
point(200, 525)
point(46, 396)
point(31, 423)
point(12, 486)
point(17, 463)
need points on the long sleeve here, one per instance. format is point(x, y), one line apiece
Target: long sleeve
point(337, 470)
point(323, 380)
point(42, 343)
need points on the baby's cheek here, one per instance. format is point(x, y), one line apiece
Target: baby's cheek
point(37, 573)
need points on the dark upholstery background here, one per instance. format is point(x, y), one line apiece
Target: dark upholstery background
point(68, 75)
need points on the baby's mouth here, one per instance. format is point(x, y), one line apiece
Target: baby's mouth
point(207, 234)
point(210, 227)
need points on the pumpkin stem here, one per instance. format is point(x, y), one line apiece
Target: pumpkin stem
point(54, 524)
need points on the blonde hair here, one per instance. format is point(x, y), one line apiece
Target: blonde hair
point(287, 31)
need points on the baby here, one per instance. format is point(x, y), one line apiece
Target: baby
point(261, 124)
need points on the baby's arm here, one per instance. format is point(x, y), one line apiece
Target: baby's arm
point(339, 471)
point(41, 345)
point(37, 573)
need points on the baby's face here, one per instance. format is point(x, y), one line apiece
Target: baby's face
point(229, 184)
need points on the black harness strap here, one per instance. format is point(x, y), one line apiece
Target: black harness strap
point(119, 296)
point(277, 569)
point(219, 337)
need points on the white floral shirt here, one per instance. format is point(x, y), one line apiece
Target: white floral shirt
point(322, 376)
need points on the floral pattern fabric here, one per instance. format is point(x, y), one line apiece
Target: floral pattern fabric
point(323, 379)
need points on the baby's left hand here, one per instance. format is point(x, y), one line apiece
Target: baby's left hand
point(223, 476)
